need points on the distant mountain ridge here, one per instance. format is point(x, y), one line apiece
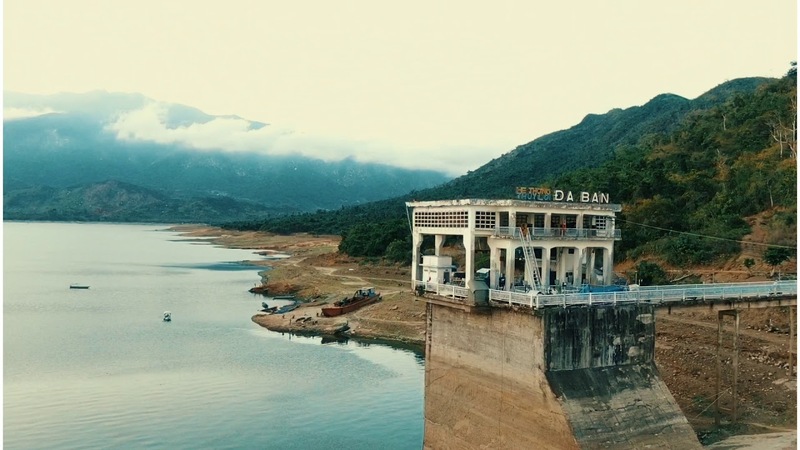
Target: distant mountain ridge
point(72, 148)
point(693, 178)
point(114, 201)
point(103, 106)
point(586, 145)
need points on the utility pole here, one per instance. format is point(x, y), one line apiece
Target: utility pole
point(720, 318)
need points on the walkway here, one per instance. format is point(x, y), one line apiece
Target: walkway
point(659, 295)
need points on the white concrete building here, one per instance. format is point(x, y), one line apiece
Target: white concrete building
point(551, 241)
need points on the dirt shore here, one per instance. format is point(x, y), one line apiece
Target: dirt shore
point(316, 274)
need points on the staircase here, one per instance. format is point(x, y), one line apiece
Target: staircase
point(531, 267)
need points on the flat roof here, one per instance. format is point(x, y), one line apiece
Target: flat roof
point(514, 203)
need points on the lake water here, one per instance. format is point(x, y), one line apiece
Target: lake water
point(98, 368)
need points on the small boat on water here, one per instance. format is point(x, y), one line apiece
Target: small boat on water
point(167, 316)
point(362, 297)
point(79, 286)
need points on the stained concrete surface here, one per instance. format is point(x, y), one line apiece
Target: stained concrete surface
point(769, 441)
point(621, 407)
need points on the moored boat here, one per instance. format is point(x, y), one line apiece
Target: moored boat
point(342, 329)
point(79, 286)
point(287, 308)
point(268, 309)
point(362, 297)
point(262, 289)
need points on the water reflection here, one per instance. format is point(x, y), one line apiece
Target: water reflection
point(341, 340)
point(225, 266)
point(98, 368)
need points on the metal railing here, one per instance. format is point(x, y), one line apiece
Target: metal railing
point(644, 294)
point(569, 233)
point(654, 294)
point(446, 290)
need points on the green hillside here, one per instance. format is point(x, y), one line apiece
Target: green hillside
point(687, 172)
point(686, 195)
point(114, 201)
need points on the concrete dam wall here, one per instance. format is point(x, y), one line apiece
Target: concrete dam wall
point(562, 378)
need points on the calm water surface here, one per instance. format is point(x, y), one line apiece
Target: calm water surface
point(98, 368)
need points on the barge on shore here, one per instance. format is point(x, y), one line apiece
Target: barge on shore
point(362, 297)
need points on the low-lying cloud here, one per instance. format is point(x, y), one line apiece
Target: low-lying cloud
point(11, 113)
point(237, 135)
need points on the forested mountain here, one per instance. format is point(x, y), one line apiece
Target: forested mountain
point(114, 201)
point(74, 149)
point(700, 166)
point(721, 166)
point(587, 144)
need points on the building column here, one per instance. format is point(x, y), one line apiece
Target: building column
point(494, 263)
point(576, 266)
point(439, 242)
point(510, 254)
point(545, 267)
point(469, 263)
point(590, 265)
point(608, 265)
point(416, 243)
point(547, 219)
point(561, 266)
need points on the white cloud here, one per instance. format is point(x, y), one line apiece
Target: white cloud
point(235, 135)
point(416, 84)
point(21, 113)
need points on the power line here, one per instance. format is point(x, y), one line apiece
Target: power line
point(709, 237)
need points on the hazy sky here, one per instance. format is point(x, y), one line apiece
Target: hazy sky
point(445, 85)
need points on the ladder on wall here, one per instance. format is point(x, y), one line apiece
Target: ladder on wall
point(531, 267)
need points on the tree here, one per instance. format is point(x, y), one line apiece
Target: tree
point(651, 274)
point(748, 264)
point(399, 252)
point(775, 256)
point(482, 261)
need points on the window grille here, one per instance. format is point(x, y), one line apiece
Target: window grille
point(485, 220)
point(600, 222)
point(441, 219)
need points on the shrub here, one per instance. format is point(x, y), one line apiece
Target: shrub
point(651, 274)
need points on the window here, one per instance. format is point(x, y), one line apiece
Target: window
point(441, 219)
point(485, 220)
point(538, 220)
point(600, 222)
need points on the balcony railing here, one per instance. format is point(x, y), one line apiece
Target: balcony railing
point(670, 294)
point(550, 233)
point(654, 294)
